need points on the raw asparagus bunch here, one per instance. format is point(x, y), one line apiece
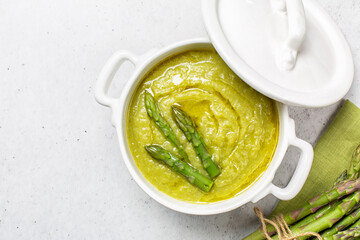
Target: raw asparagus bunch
point(154, 112)
point(311, 206)
point(179, 166)
point(328, 211)
point(185, 123)
point(328, 220)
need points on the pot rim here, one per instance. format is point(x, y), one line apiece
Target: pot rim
point(263, 185)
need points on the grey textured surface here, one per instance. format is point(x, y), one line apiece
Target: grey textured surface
point(61, 175)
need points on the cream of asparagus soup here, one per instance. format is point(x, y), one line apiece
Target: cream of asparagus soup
point(197, 132)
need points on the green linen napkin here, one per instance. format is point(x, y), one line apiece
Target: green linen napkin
point(332, 155)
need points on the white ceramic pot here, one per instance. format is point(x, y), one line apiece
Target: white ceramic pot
point(257, 191)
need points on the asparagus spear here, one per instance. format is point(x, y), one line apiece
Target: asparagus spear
point(154, 112)
point(328, 220)
point(343, 177)
point(342, 224)
point(349, 234)
point(190, 173)
point(353, 172)
point(321, 212)
point(356, 224)
point(311, 206)
point(188, 127)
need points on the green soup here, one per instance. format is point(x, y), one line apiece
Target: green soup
point(238, 124)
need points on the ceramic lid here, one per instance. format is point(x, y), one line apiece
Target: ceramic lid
point(289, 50)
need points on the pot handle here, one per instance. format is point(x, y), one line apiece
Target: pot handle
point(299, 177)
point(107, 74)
point(301, 172)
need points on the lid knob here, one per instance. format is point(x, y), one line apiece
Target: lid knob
point(296, 32)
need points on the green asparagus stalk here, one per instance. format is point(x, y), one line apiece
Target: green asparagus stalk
point(342, 224)
point(311, 206)
point(328, 220)
point(356, 224)
point(343, 177)
point(354, 170)
point(349, 234)
point(179, 166)
point(154, 112)
point(185, 123)
point(321, 212)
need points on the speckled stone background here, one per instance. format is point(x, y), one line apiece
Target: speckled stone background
point(61, 174)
